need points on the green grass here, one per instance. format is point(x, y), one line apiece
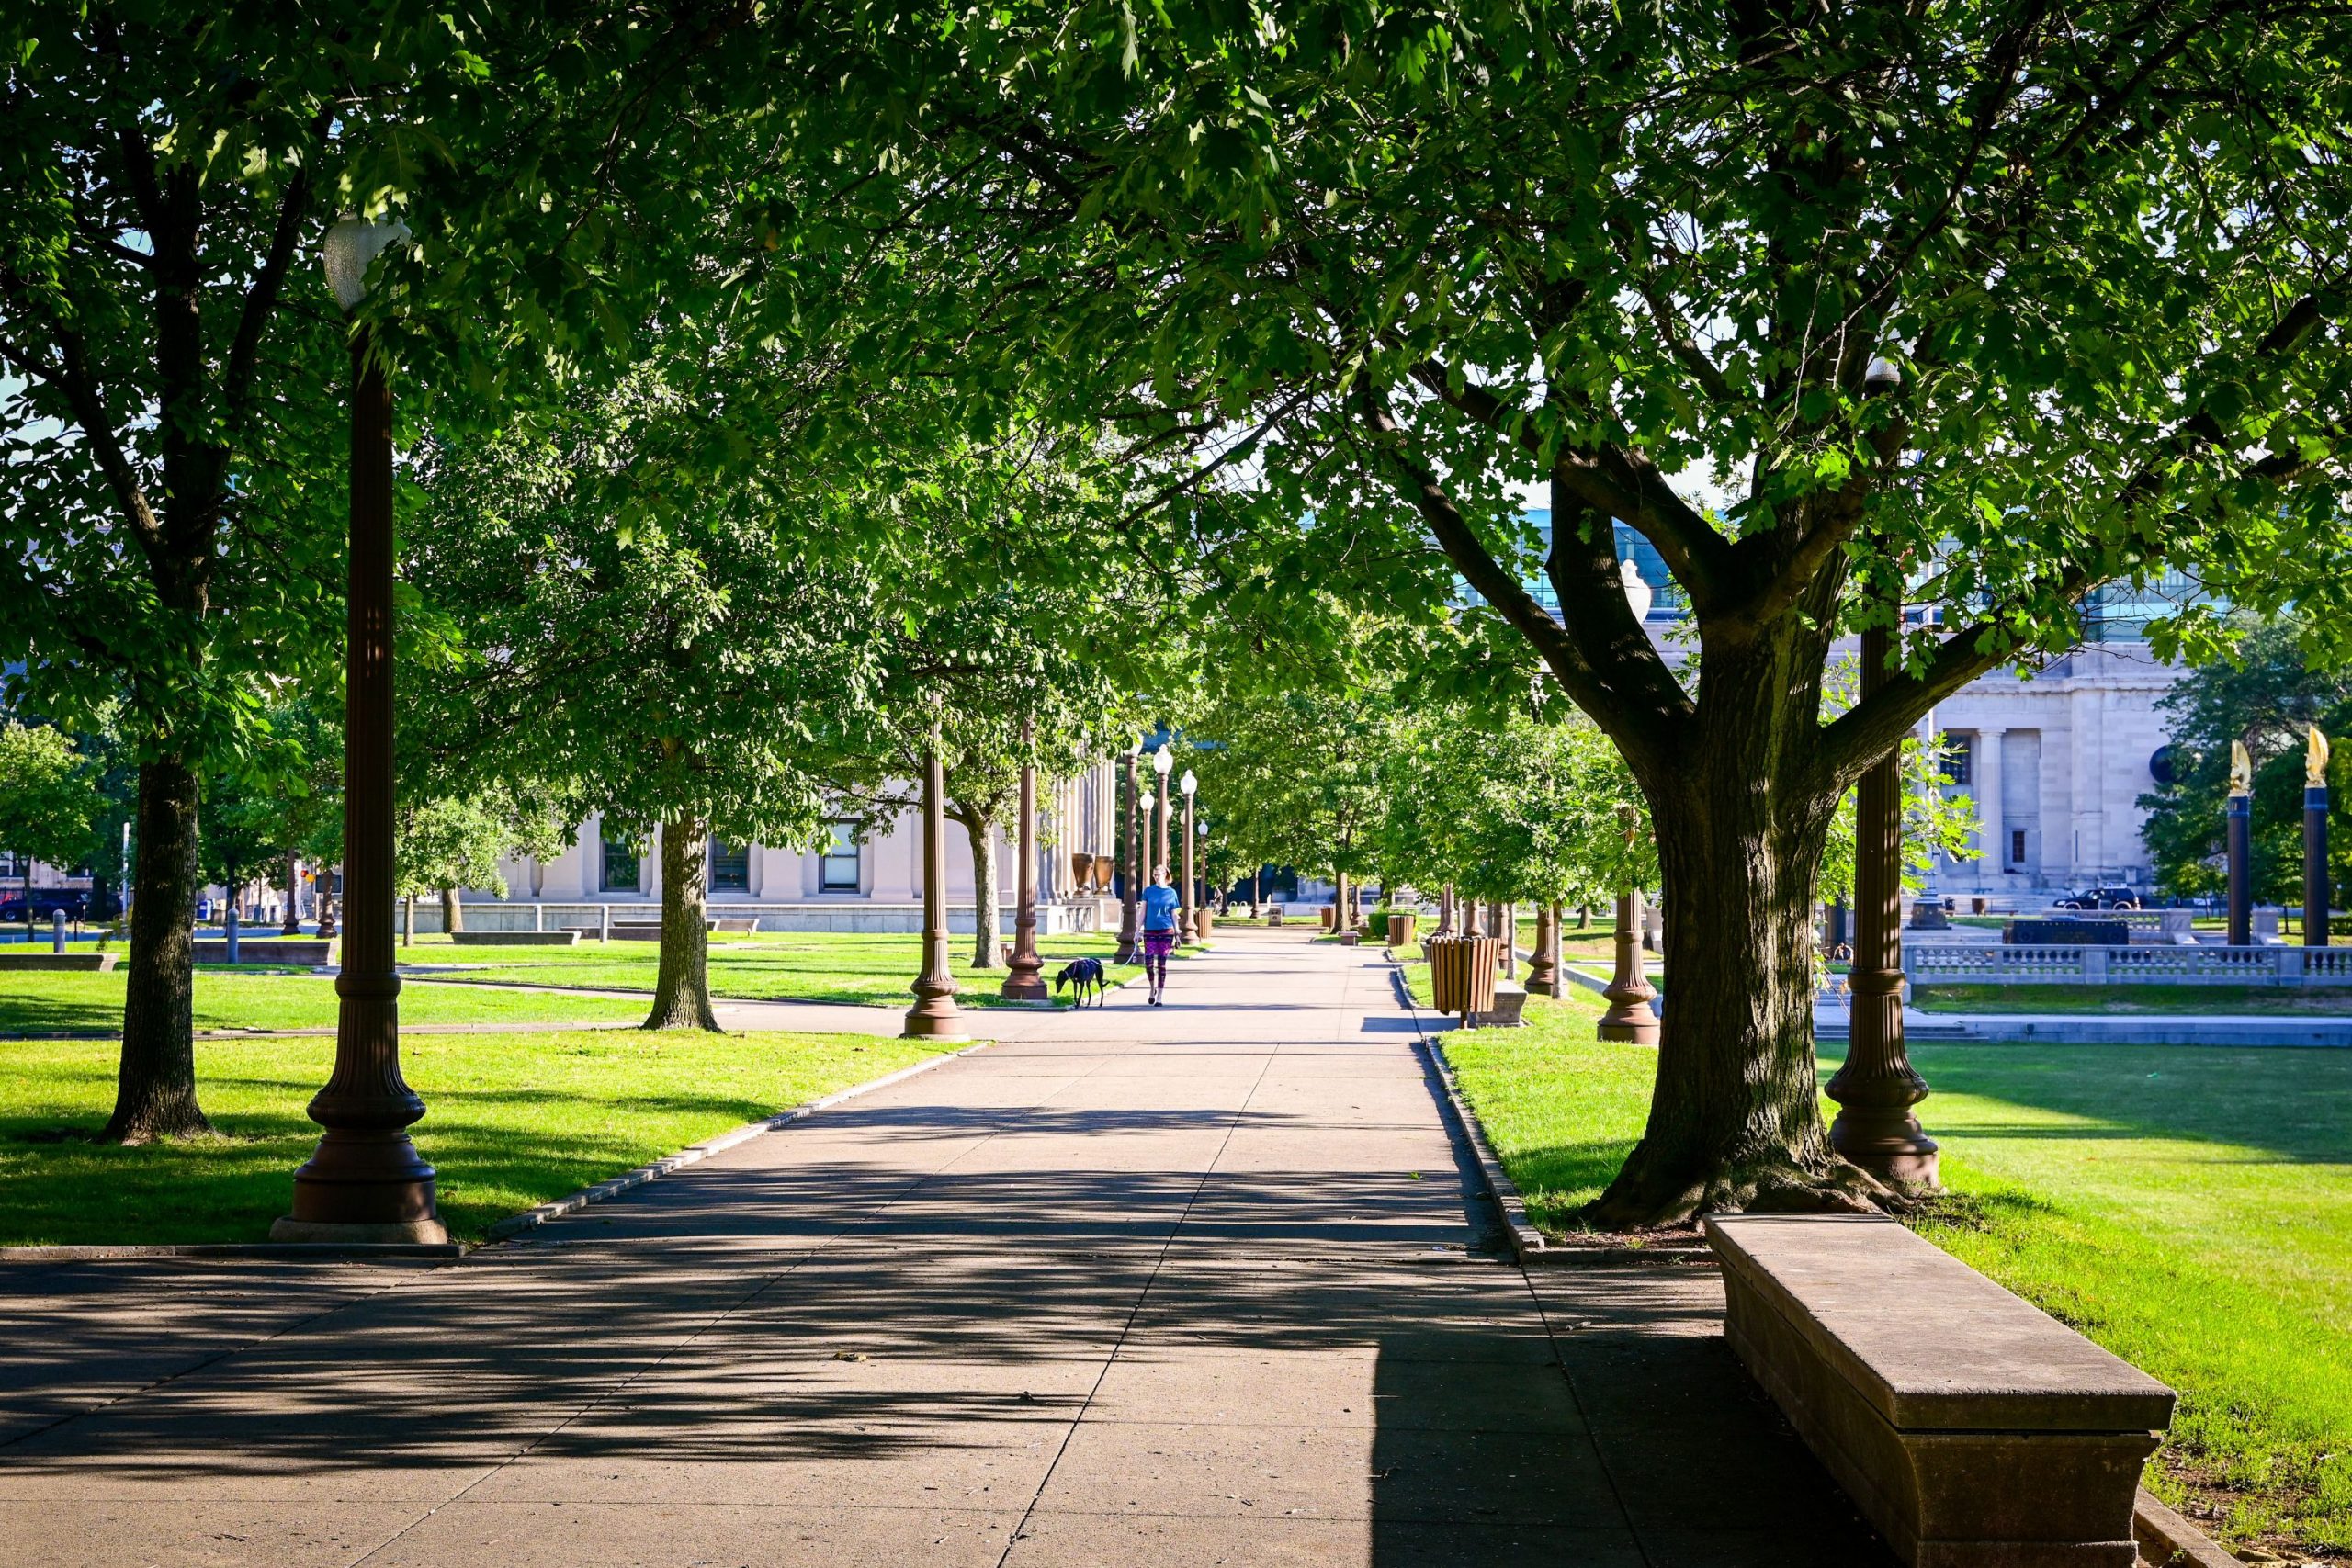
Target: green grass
point(812, 966)
point(52, 1003)
point(2273, 1000)
point(511, 1120)
point(2189, 1209)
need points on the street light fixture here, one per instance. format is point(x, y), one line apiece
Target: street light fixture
point(366, 1182)
point(1162, 762)
point(1188, 917)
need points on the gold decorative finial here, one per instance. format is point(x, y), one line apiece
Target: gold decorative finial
point(2241, 768)
point(2315, 759)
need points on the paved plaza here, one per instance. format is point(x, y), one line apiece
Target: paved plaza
point(1205, 1284)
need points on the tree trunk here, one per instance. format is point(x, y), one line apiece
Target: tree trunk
point(988, 951)
point(155, 1090)
point(1584, 916)
point(681, 985)
point(1736, 1116)
point(292, 924)
point(453, 911)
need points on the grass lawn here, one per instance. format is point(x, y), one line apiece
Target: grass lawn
point(808, 966)
point(2189, 1209)
point(511, 1120)
point(51, 1003)
point(2272, 1000)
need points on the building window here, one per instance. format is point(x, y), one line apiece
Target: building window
point(1958, 751)
point(619, 873)
point(10, 865)
point(731, 868)
point(838, 870)
point(2016, 846)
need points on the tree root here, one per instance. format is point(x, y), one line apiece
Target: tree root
point(1778, 1186)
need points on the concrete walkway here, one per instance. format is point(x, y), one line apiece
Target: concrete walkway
point(1193, 1285)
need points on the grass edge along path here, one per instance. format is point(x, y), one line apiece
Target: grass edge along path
point(511, 1122)
point(2216, 1264)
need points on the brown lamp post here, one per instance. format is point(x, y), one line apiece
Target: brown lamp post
point(1877, 1087)
point(1130, 854)
point(935, 1015)
point(1024, 979)
point(1544, 969)
point(366, 1182)
point(1188, 920)
point(1629, 993)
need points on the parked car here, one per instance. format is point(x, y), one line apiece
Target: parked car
point(46, 901)
point(2101, 898)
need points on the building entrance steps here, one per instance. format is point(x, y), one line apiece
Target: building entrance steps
point(1209, 1283)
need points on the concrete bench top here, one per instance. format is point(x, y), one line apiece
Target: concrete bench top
point(1925, 1340)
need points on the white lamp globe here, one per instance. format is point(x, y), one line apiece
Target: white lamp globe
point(1149, 800)
point(347, 252)
point(1161, 761)
point(1638, 594)
point(1188, 783)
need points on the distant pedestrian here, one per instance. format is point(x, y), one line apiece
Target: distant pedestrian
point(1160, 904)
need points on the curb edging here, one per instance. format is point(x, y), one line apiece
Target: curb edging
point(281, 1251)
point(2155, 1526)
point(1526, 1241)
point(694, 1153)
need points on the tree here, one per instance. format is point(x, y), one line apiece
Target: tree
point(681, 666)
point(2268, 693)
point(48, 799)
point(1973, 307)
point(443, 842)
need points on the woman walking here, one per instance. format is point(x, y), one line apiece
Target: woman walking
point(1159, 903)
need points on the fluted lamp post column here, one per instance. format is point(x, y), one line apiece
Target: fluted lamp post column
point(1162, 762)
point(1186, 920)
point(935, 1015)
point(1629, 993)
point(366, 1182)
point(1129, 855)
point(1024, 979)
point(1876, 1086)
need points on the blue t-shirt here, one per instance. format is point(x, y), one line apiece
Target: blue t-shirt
point(1159, 907)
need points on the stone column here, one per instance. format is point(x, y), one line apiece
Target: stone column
point(1992, 832)
point(1130, 854)
point(366, 1182)
point(2316, 893)
point(1630, 993)
point(1876, 1086)
point(2240, 821)
point(1025, 978)
point(935, 1015)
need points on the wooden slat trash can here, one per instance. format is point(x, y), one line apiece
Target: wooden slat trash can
point(1331, 917)
point(1461, 972)
point(1400, 930)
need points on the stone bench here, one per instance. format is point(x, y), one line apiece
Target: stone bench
point(1511, 1003)
point(515, 939)
point(301, 951)
point(1973, 1429)
point(739, 925)
point(100, 963)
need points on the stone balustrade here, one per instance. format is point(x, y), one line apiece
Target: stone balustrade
point(2094, 965)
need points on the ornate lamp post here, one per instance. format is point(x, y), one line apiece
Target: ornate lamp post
point(1201, 915)
point(1024, 979)
point(1544, 969)
point(1185, 921)
point(1129, 855)
point(1877, 1087)
point(366, 1182)
point(2316, 894)
point(935, 1015)
point(1162, 762)
point(1151, 804)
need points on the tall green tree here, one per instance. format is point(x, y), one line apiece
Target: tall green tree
point(1978, 307)
point(48, 799)
point(682, 667)
point(2268, 693)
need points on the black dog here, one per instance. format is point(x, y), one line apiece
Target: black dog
point(1082, 972)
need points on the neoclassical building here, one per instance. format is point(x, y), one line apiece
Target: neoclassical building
point(845, 883)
